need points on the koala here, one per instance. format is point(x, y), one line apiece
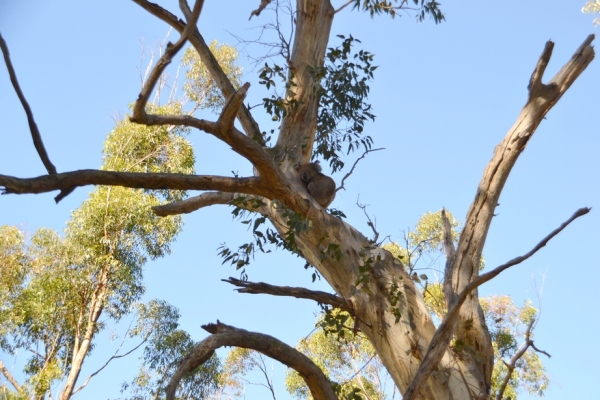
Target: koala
point(320, 186)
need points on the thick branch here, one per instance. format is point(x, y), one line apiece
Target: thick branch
point(443, 334)
point(10, 378)
point(48, 183)
point(471, 329)
point(297, 292)
point(212, 65)
point(225, 335)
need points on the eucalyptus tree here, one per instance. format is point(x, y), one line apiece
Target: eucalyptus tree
point(60, 292)
point(322, 111)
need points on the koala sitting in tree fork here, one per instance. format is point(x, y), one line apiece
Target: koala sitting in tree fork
point(320, 186)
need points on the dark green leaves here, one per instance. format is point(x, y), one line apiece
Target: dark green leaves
point(343, 109)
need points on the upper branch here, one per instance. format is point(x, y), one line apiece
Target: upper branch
point(139, 109)
point(225, 335)
point(208, 59)
point(297, 292)
point(35, 132)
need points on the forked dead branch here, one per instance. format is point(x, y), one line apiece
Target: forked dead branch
point(415, 352)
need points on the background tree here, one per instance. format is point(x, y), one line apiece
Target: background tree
point(350, 280)
point(59, 290)
point(592, 7)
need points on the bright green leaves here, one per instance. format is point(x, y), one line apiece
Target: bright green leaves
point(154, 149)
point(507, 324)
point(277, 106)
point(167, 346)
point(347, 359)
point(424, 8)
point(342, 101)
point(200, 87)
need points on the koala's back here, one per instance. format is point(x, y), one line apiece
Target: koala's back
point(320, 186)
point(322, 189)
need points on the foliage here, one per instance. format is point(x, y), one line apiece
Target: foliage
point(167, 347)
point(59, 286)
point(240, 363)
point(507, 324)
point(592, 7)
point(342, 101)
point(199, 86)
point(348, 360)
point(424, 7)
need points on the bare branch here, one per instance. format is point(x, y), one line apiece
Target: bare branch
point(288, 291)
point(113, 357)
point(370, 223)
point(513, 361)
point(35, 132)
point(354, 166)
point(48, 183)
point(344, 6)
point(208, 59)
point(471, 328)
point(33, 128)
point(443, 334)
point(227, 117)
point(9, 377)
point(139, 109)
point(262, 6)
point(194, 203)
point(225, 335)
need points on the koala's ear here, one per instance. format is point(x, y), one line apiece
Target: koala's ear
point(317, 165)
point(297, 166)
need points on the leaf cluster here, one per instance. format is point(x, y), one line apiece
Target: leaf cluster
point(343, 109)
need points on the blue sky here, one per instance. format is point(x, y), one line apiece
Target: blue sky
point(444, 96)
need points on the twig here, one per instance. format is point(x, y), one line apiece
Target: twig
point(113, 357)
point(369, 222)
point(354, 166)
point(344, 6)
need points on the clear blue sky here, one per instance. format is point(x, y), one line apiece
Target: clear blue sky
point(444, 96)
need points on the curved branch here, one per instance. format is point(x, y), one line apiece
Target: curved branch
point(139, 108)
point(289, 291)
point(208, 59)
point(225, 335)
